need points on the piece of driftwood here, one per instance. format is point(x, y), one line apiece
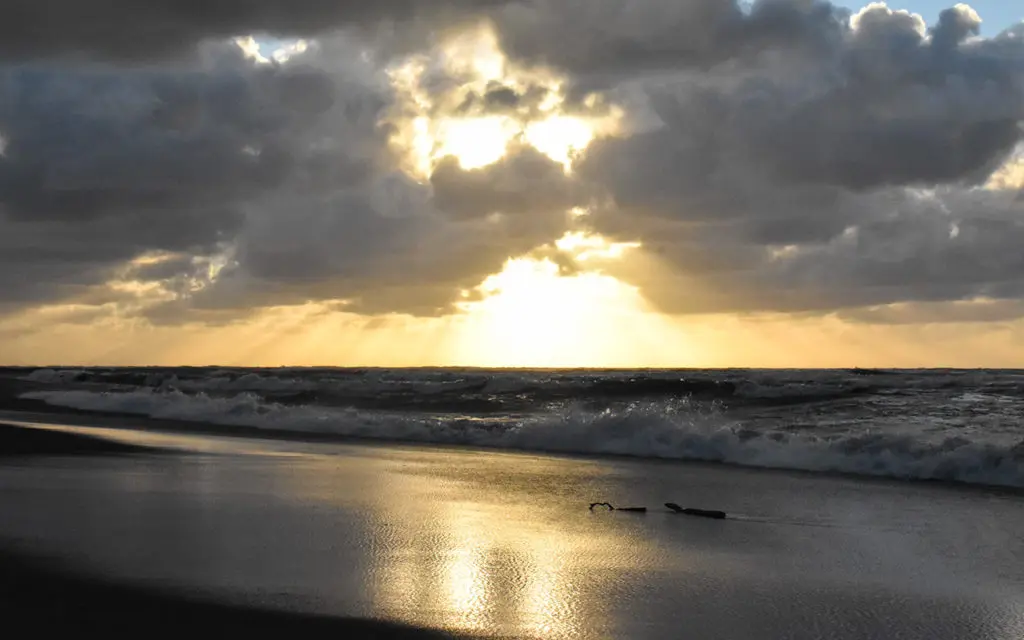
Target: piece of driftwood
point(700, 513)
point(609, 506)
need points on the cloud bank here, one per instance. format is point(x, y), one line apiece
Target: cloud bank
point(790, 156)
point(126, 30)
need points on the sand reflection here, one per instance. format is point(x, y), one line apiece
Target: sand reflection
point(479, 565)
point(471, 572)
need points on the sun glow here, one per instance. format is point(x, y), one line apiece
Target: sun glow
point(475, 142)
point(531, 316)
point(535, 314)
point(584, 247)
point(560, 137)
point(1011, 175)
point(431, 123)
point(468, 101)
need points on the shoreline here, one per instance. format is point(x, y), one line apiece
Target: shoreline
point(13, 408)
point(488, 542)
point(58, 416)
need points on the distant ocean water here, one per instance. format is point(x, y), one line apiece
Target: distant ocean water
point(953, 425)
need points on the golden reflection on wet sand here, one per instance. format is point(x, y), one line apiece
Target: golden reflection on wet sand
point(502, 544)
point(476, 565)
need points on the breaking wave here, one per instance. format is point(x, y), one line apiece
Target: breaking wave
point(672, 429)
point(473, 390)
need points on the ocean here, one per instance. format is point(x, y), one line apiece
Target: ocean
point(946, 425)
point(860, 503)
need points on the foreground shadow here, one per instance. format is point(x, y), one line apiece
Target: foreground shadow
point(16, 441)
point(42, 596)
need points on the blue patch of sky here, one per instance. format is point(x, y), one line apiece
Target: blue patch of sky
point(997, 15)
point(270, 44)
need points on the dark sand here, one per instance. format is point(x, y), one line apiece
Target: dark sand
point(491, 543)
point(53, 598)
point(19, 441)
point(46, 598)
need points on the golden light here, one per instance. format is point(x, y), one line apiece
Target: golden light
point(584, 246)
point(1011, 175)
point(467, 589)
point(431, 123)
point(475, 142)
point(475, 53)
point(531, 317)
point(532, 314)
point(560, 137)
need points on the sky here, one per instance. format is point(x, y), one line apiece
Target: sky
point(556, 183)
point(997, 15)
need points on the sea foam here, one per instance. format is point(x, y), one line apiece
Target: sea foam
point(670, 429)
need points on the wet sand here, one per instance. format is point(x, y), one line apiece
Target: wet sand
point(18, 441)
point(42, 595)
point(493, 543)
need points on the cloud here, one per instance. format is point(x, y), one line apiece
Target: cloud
point(384, 247)
point(104, 164)
point(842, 180)
point(899, 246)
point(524, 183)
point(917, 313)
point(284, 176)
point(616, 39)
point(786, 157)
point(888, 107)
point(139, 29)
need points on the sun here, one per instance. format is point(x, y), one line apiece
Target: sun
point(533, 314)
point(532, 317)
point(474, 142)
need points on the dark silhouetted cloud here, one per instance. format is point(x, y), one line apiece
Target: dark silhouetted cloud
point(585, 37)
point(788, 156)
point(139, 29)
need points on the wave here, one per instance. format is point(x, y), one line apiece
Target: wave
point(418, 382)
point(477, 390)
point(674, 429)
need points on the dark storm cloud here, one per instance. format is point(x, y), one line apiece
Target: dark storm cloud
point(600, 37)
point(903, 246)
point(888, 108)
point(102, 165)
point(58, 260)
point(386, 247)
point(88, 143)
point(133, 29)
point(833, 181)
point(500, 99)
point(942, 246)
point(284, 171)
point(775, 158)
point(524, 183)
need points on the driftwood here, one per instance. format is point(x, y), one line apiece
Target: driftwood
point(609, 506)
point(673, 507)
point(700, 513)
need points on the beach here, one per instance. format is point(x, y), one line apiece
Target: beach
point(493, 543)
